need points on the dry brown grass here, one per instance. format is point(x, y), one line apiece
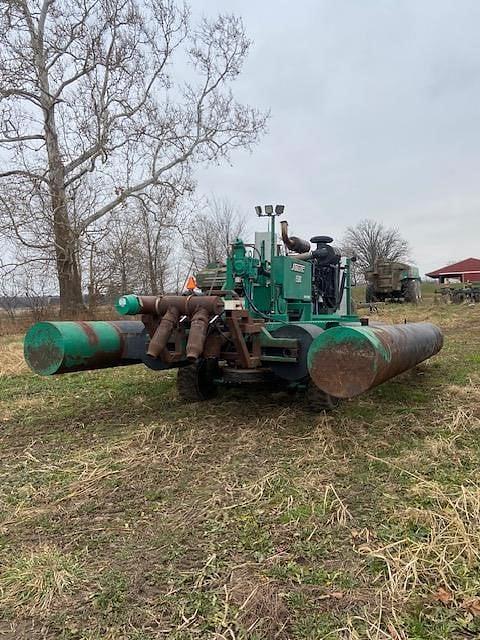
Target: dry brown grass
point(11, 357)
point(46, 485)
point(452, 526)
point(35, 582)
point(259, 606)
point(336, 507)
point(372, 624)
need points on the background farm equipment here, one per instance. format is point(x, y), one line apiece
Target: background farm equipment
point(457, 293)
point(393, 281)
point(278, 313)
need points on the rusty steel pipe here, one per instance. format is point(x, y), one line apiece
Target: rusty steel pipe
point(197, 334)
point(162, 333)
point(347, 361)
point(293, 243)
point(159, 305)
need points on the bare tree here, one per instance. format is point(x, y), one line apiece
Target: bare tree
point(88, 95)
point(160, 223)
point(115, 260)
point(211, 233)
point(135, 249)
point(370, 241)
point(9, 297)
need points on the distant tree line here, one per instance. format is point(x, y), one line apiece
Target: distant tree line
point(144, 250)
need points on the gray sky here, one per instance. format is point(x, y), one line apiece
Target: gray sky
point(375, 113)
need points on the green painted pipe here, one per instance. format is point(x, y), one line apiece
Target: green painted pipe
point(62, 347)
point(346, 361)
point(128, 305)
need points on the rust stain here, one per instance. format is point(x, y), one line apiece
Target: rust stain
point(89, 332)
point(120, 335)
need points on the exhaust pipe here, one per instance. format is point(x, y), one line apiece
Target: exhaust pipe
point(293, 243)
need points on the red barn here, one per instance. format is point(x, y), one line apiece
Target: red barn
point(465, 271)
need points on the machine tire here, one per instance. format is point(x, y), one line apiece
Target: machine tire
point(317, 400)
point(413, 292)
point(196, 382)
point(370, 294)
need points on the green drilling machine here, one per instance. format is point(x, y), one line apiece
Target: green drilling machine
point(277, 313)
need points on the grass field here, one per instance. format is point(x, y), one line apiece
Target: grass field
point(126, 514)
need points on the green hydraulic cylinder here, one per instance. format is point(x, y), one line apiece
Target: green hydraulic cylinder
point(63, 347)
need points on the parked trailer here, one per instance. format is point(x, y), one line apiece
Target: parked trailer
point(394, 282)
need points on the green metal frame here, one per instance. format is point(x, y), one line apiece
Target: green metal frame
point(269, 286)
point(277, 290)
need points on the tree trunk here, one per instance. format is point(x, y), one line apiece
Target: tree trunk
point(68, 272)
point(92, 289)
point(69, 279)
point(123, 274)
point(152, 277)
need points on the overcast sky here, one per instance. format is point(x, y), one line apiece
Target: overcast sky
point(375, 113)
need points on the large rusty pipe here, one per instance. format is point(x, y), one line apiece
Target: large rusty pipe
point(197, 334)
point(162, 333)
point(298, 245)
point(159, 305)
point(63, 347)
point(347, 361)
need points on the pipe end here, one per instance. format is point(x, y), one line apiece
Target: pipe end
point(128, 305)
point(343, 361)
point(44, 348)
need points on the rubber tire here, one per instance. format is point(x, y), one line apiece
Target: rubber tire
point(413, 292)
point(370, 294)
point(196, 382)
point(316, 400)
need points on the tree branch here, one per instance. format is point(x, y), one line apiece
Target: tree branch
point(20, 93)
point(24, 174)
point(140, 186)
point(37, 136)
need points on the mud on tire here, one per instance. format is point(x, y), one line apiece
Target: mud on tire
point(196, 382)
point(413, 292)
